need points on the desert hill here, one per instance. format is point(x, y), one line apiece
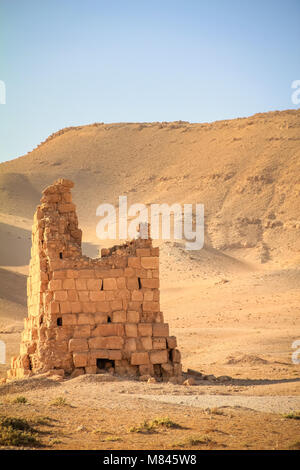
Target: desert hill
point(245, 172)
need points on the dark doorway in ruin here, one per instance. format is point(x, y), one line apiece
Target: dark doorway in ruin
point(157, 370)
point(61, 255)
point(105, 364)
point(59, 321)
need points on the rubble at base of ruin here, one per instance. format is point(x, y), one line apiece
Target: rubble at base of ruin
point(88, 315)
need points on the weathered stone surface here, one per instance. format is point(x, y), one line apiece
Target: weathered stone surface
point(138, 358)
point(160, 329)
point(109, 342)
point(149, 262)
point(145, 329)
point(131, 330)
point(78, 344)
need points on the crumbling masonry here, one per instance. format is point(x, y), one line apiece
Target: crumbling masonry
point(86, 315)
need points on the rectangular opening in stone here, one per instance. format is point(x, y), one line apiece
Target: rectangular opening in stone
point(105, 364)
point(61, 255)
point(59, 321)
point(139, 281)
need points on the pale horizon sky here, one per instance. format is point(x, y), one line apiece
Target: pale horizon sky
point(68, 62)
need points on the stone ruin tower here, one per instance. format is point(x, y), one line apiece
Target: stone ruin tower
point(86, 315)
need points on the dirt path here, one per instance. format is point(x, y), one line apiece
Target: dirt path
point(269, 404)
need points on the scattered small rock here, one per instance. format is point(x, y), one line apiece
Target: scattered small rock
point(80, 428)
point(152, 380)
point(190, 381)
point(144, 378)
point(210, 377)
point(224, 378)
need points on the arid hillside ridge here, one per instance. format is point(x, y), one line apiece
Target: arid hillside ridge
point(245, 172)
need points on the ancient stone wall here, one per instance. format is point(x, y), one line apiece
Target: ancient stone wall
point(85, 315)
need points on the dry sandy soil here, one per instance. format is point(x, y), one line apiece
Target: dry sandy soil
point(234, 305)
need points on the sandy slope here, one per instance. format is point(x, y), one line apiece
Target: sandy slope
point(234, 306)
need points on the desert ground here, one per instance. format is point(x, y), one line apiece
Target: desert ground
point(233, 306)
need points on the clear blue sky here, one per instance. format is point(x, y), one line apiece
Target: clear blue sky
point(69, 62)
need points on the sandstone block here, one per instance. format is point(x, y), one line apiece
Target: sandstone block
point(110, 295)
point(60, 295)
point(86, 274)
point(133, 316)
point(82, 331)
point(103, 307)
point(150, 262)
point(146, 342)
point(109, 329)
point(160, 329)
point(148, 296)
point(83, 295)
point(68, 284)
point(151, 306)
point(121, 282)
point(94, 284)
point(114, 355)
point(100, 318)
point(131, 330)
point(55, 284)
point(134, 262)
point(116, 304)
point(89, 307)
point(143, 252)
point(81, 284)
point(150, 283)
point(65, 307)
point(146, 369)
point(109, 342)
point(155, 251)
point(72, 274)
point(138, 295)
point(167, 370)
point(59, 274)
point(159, 343)
point(53, 307)
point(171, 342)
point(77, 372)
point(176, 356)
point(123, 294)
point(129, 272)
point(109, 284)
point(97, 354)
point(138, 358)
point(97, 295)
point(80, 359)
point(145, 329)
point(132, 283)
point(85, 319)
point(72, 295)
point(119, 316)
point(159, 357)
point(76, 307)
point(130, 345)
